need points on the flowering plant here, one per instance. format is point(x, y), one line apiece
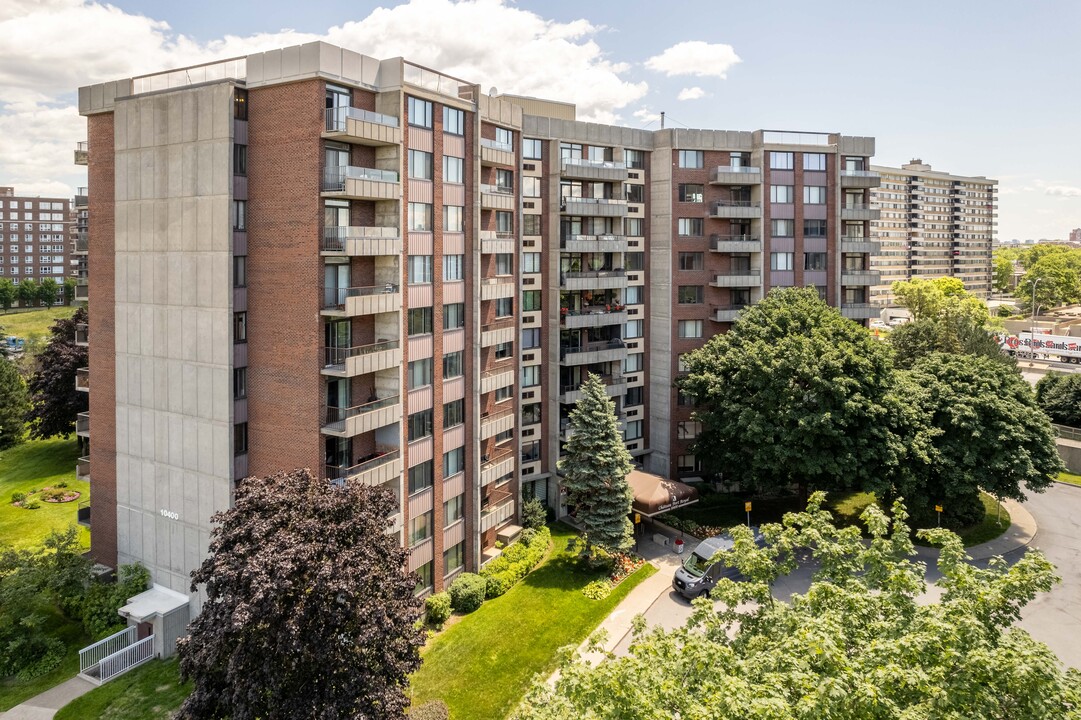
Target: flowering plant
point(623, 564)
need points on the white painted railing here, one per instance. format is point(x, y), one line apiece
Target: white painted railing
point(133, 655)
point(92, 655)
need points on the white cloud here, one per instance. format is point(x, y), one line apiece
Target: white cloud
point(695, 58)
point(691, 93)
point(1062, 191)
point(646, 116)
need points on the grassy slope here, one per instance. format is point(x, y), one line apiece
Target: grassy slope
point(34, 322)
point(36, 464)
point(482, 665)
point(150, 692)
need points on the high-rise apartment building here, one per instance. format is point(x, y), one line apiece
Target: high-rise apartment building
point(309, 257)
point(933, 224)
point(35, 237)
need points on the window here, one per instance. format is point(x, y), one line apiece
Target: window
point(505, 136)
point(634, 396)
point(420, 216)
point(814, 228)
point(240, 159)
point(690, 158)
point(424, 578)
point(240, 438)
point(814, 195)
point(781, 193)
point(689, 329)
point(690, 193)
point(531, 300)
point(504, 393)
point(634, 260)
point(240, 271)
point(504, 264)
point(531, 413)
point(454, 557)
point(504, 350)
point(453, 218)
point(687, 463)
point(420, 425)
point(634, 362)
point(633, 227)
point(420, 528)
point(632, 295)
point(454, 510)
point(531, 224)
point(780, 161)
point(531, 149)
point(240, 383)
point(632, 430)
point(531, 375)
point(453, 414)
point(531, 262)
point(420, 112)
point(531, 338)
point(635, 159)
point(633, 329)
point(783, 228)
point(504, 307)
point(453, 364)
point(453, 121)
point(240, 327)
point(854, 164)
point(453, 267)
point(690, 261)
point(419, 373)
point(814, 261)
point(688, 429)
point(531, 187)
point(504, 180)
point(420, 269)
point(570, 151)
point(504, 221)
point(531, 452)
point(420, 165)
point(636, 193)
point(781, 261)
point(690, 227)
point(453, 169)
point(419, 321)
point(814, 161)
point(240, 104)
point(240, 215)
point(453, 316)
point(690, 294)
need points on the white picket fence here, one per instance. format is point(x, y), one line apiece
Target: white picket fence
point(114, 655)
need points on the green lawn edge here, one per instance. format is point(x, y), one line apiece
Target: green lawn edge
point(482, 666)
point(1069, 478)
point(29, 324)
point(34, 465)
point(150, 692)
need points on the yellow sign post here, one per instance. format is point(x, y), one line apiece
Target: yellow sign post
point(747, 507)
point(637, 518)
point(938, 509)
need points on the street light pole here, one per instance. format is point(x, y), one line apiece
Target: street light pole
point(1032, 321)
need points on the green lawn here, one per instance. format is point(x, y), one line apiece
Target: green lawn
point(14, 691)
point(33, 322)
point(150, 692)
point(482, 665)
point(34, 465)
point(994, 523)
point(1069, 478)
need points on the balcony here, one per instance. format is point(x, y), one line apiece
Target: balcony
point(385, 467)
point(82, 335)
point(593, 317)
point(82, 514)
point(860, 179)
point(362, 127)
point(594, 280)
point(360, 183)
point(82, 243)
point(852, 244)
point(597, 170)
point(496, 197)
point(496, 467)
point(594, 352)
point(615, 385)
point(496, 422)
point(82, 425)
point(859, 211)
point(735, 209)
point(861, 311)
point(82, 379)
point(740, 277)
point(493, 152)
point(594, 243)
point(493, 242)
point(82, 468)
point(593, 207)
point(497, 513)
point(740, 175)
point(359, 419)
point(497, 287)
point(82, 199)
point(362, 359)
point(359, 301)
point(734, 243)
point(82, 290)
point(860, 277)
point(82, 153)
point(361, 241)
point(497, 333)
point(727, 313)
point(496, 378)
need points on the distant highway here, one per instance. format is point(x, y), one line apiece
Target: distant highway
point(1033, 370)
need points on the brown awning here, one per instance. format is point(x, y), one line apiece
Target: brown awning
point(654, 494)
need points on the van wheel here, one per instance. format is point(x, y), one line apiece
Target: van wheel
point(707, 594)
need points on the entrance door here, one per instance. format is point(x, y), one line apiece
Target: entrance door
point(335, 283)
point(144, 630)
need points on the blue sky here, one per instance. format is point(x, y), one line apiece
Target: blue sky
point(981, 88)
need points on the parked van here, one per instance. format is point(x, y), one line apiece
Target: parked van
point(698, 575)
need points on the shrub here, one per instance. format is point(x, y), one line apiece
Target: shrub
point(61, 484)
point(53, 494)
point(437, 607)
point(516, 561)
point(597, 590)
point(499, 583)
point(104, 599)
point(431, 710)
point(17, 497)
point(31, 505)
point(534, 514)
point(467, 592)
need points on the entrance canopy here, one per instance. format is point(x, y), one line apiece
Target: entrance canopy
point(155, 601)
point(654, 495)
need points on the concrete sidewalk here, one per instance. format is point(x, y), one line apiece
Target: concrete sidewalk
point(45, 705)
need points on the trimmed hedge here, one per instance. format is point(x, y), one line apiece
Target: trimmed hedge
point(516, 561)
point(467, 592)
point(438, 608)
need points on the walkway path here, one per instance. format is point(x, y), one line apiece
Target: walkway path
point(45, 705)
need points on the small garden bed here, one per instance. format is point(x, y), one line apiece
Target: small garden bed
point(32, 500)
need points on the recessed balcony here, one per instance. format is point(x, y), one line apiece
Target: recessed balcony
point(861, 311)
point(82, 468)
point(82, 153)
point(593, 207)
point(852, 244)
point(496, 378)
point(860, 179)
point(353, 421)
point(496, 513)
point(355, 241)
point(82, 379)
point(361, 183)
point(615, 385)
point(593, 243)
point(82, 289)
point(82, 243)
point(860, 277)
point(82, 335)
point(594, 280)
point(493, 242)
point(496, 288)
point(593, 316)
point(82, 425)
point(359, 301)
point(496, 422)
point(362, 359)
point(493, 152)
point(742, 277)
point(735, 209)
point(735, 175)
point(596, 170)
point(593, 352)
point(727, 313)
point(496, 467)
point(82, 199)
point(859, 211)
point(362, 127)
point(497, 333)
point(384, 467)
point(735, 243)
point(496, 197)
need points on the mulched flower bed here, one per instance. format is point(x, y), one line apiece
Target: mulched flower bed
point(624, 565)
point(49, 495)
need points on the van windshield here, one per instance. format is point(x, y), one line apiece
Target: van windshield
point(696, 564)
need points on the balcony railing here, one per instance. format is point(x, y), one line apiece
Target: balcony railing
point(736, 203)
point(584, 274)
point(859, 173)
point(344, 472)
point(336, 237)
point(82, 468)
point(858, 206)
point(336, 118)
point(598, 346)
point(334, 177)
point(82, 424)
point(594, 201)
point(336, 297)
point(497, 189)
point(609, 380)
point(605, 164)
point(496, 145)
point(82, 334)
point(82, 379)
point(337, 357)
point(337, 416)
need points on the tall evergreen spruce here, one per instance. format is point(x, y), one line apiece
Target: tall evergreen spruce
point(595, 471)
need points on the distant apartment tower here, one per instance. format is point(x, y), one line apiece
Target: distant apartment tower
point(35, 238)
point(1075, 236)
point(933, 224)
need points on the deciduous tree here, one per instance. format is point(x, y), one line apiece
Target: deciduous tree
point(69, 291)
point(48, 291)
point(54, 401)
point(1057, 280)
point(28, 293)
point(1060, 397)
point(309, 610)
point(595, 470)
point(13, 405)
point(8, 293)
point(1002, 273)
